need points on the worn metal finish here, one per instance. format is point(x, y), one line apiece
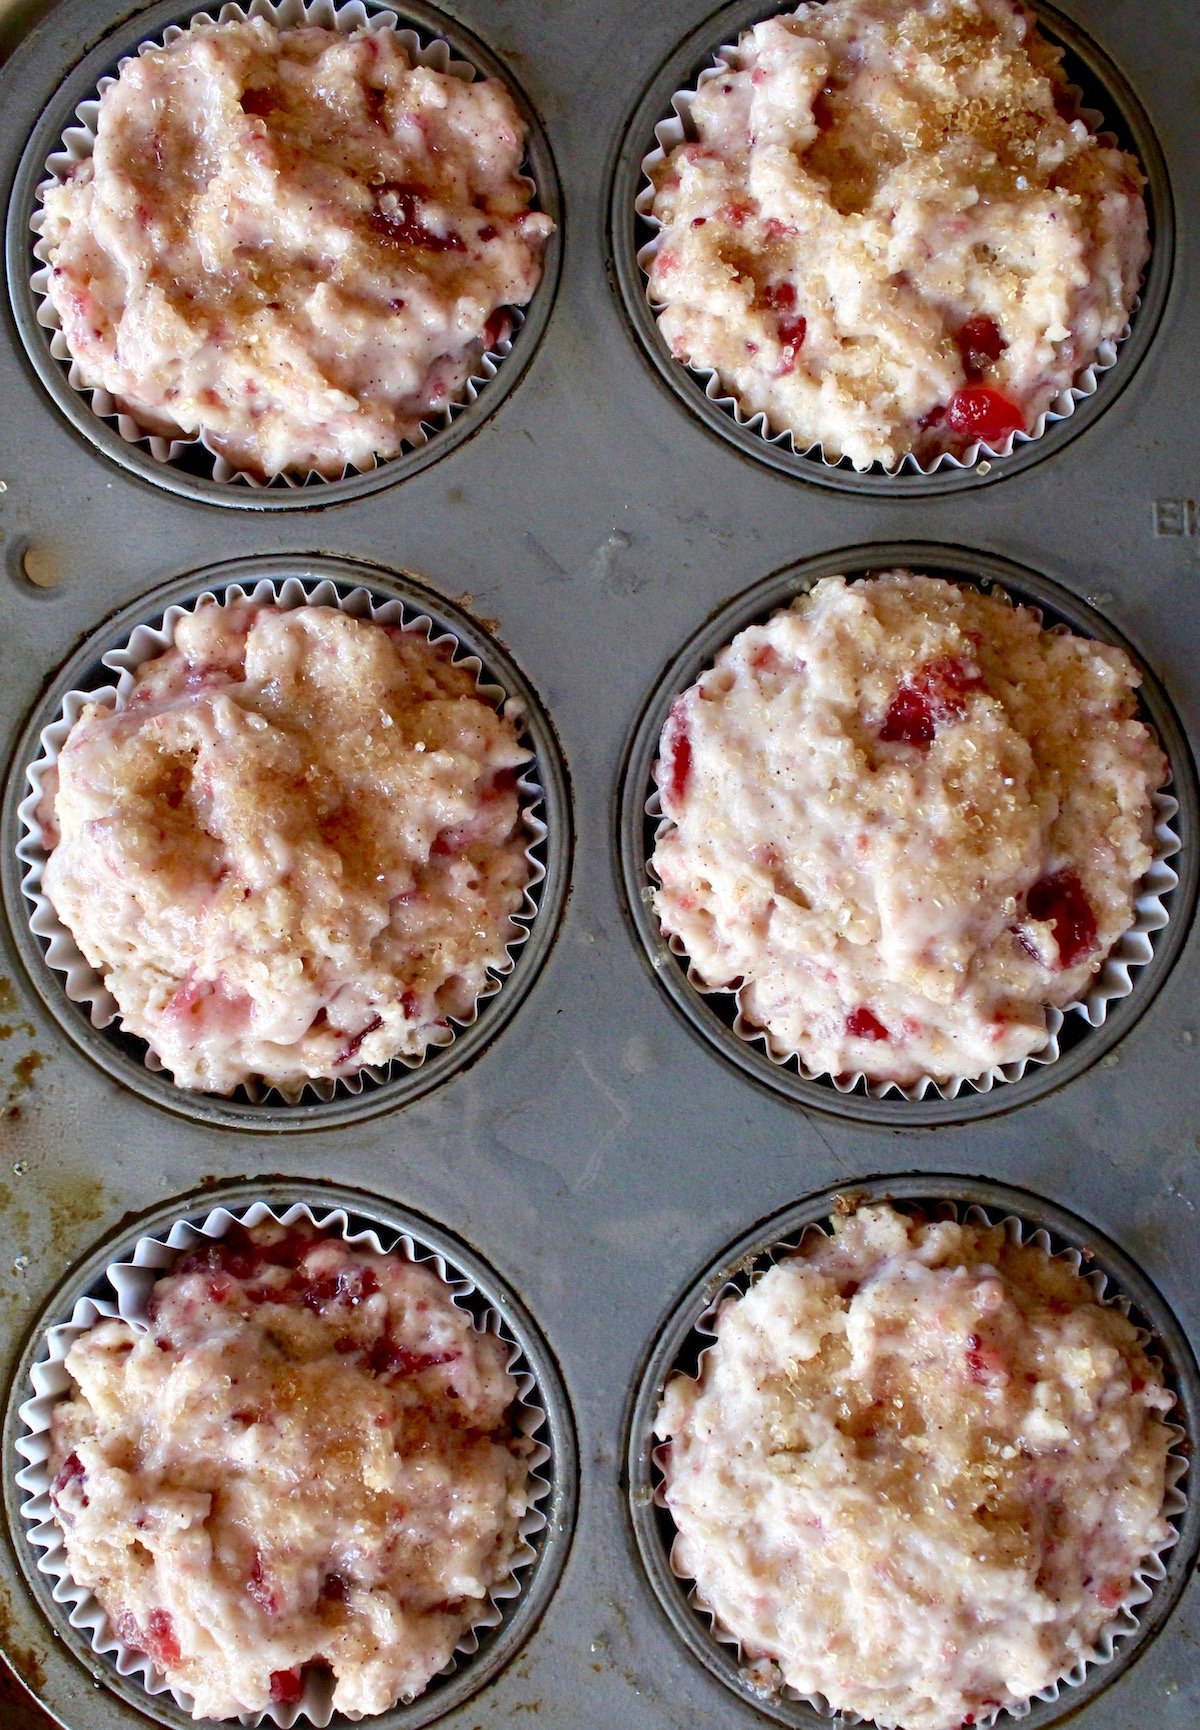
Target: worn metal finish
point(597, 1155)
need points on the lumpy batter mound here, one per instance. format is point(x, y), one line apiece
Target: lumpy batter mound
point(295, 242)
point(296, 850)
point(918, 1472)
point(308, 1460)
point(904, 820)
point(889, 233)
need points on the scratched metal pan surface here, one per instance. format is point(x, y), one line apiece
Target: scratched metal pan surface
point(600, 1153)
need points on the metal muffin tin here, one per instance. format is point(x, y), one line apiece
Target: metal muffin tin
point(596, 1155)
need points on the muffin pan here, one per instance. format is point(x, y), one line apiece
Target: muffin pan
point(594, 534)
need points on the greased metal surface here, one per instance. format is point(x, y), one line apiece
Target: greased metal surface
point(596, 1154)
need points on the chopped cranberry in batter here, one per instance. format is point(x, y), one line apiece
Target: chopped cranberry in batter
point(318, 1469)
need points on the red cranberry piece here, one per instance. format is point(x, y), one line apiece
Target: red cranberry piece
point(259, 102)
point(335, 1589)
point(157, 1640)
point(675, 769)
point(792, 329)
point(932, 417)
point(909, 720)
point(489, 231)
point(864, 1024)
point(498, 328)
point(349, 1050)
point(1059, 900)
point(388, 1357)
point(934, 693)
point(979, 412)
point(980, 344)
point(350, 1286)
point(396, 217)
point(70, 1470)
point(286, 1687)
point(945, 680)
point(780, 296)
point(161, 1643)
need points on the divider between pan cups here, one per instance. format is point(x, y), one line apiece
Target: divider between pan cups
point(84, 985)
point(760, 1677)
point(1115, 980)
point(77, 144)
point(125, 1293)
point(677, 127)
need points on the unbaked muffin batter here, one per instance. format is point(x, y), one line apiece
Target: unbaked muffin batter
point(888, 233)
point(919, 1471)
point(307, 1459)
point(295, 851)
point(293, 241)
point(904, 820)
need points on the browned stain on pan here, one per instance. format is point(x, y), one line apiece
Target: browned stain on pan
point(22, 1067)
point(22, 1661)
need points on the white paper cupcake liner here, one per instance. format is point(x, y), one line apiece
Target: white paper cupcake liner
point(678, 128)
point(77, 145)
point(84, 984)
point(1114, 981)
point(131, 1283)
point(762, 1675)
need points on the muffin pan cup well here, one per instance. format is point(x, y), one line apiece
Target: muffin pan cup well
point(661, 121)
point(1079, 1035)
point(117, 1280)
point(66, 134)
point(599, 1154)
point(76, 993)
point(687, 1335)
